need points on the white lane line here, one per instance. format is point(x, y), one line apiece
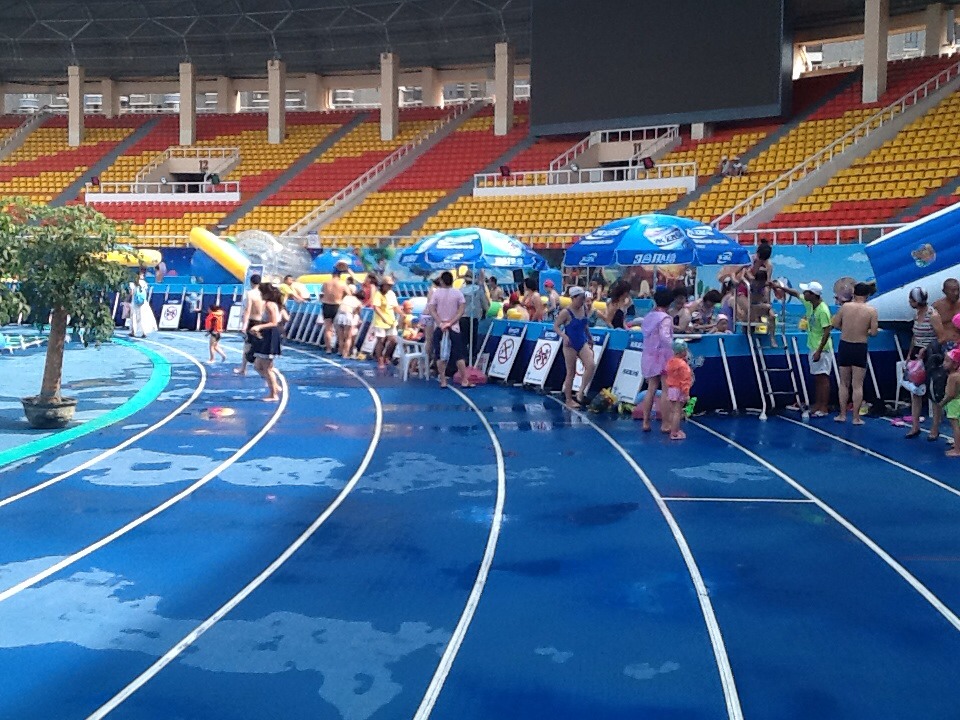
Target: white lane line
point(453, 647)
point(192, 637)
point(922, 589)
point(734, 711)
point(70, 559)
point(126, 443)
point(878, 456)
point(741, 500)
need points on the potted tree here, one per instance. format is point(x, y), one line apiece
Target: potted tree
point(59, 257)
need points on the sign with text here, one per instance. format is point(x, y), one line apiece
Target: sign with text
point(599, 344)
point(544, 354)
point(629, 378)
point(170, 316)
point(507, 350)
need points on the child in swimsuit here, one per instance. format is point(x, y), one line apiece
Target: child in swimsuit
point(951, 401)
point(679, 380)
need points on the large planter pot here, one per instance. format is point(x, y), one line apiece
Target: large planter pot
point(47, 414)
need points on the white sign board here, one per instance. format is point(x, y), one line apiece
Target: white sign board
point(170, 316)
point(233, 318)
point(599, 344)
point(629, 378)
point(507, 350)
point(544, 354)
point(369, 341)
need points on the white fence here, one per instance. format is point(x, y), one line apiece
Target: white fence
point(544, 182)
point(169, 192)
point(193, 152)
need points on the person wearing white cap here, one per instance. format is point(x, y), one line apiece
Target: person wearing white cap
point(819, 344)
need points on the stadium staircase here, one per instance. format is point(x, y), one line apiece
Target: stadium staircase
point(879, 185)
point(386, 173)
point(14, 129)
point(833, 138)
point(465, 190)
point(73, 190)
point(306, 160)
point(947, 195)
point(809, 95)
point(45, 164)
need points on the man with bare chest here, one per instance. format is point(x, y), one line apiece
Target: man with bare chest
point(945, 310)
point(856, 321)
point(333, 291)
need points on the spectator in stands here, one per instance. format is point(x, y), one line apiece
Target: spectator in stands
point(532, 302)
point(476, 306)
point(723, 169)
point(737, 168)
point(496, 292)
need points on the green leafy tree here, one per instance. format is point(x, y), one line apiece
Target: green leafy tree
point(58, 256)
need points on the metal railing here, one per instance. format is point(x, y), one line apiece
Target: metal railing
point(27, 126)
point(565, 158)
point(332, 204)
point(198, 152)
point(669, 135)
point(545, 178)
point(178, 191)
point(778, 187)
point(826, 235)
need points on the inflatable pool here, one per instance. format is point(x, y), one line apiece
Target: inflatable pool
point(224, 254)
point(134, 257)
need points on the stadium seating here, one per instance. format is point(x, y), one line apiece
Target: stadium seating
point(340, 165)
point(918, 160)
point(45, 164)
point(442, 169)
point(836, 117)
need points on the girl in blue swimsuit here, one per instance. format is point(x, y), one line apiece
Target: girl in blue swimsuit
point(571, 326)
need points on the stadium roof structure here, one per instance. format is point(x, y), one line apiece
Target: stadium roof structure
point(234, 38)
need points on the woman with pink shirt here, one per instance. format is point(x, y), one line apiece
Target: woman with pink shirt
point(657, 329)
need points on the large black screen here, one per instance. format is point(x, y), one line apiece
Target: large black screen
point(598, 64)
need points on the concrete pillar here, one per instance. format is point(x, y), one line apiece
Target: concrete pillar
point(188, 104)
point(701, 131)
point(110, 98)
point(503, 89)
point(316, 94)
point(876, 27)
point(228, 99)
point(277, 102)
point(389, 96)
point(935, 20)
point(431, 88)
point(75, 79)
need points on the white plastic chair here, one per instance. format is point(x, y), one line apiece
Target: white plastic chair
point(413, 352)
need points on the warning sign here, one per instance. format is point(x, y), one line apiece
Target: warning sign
point(629, 378)
point(169, 316)
point(599, 344)
point(507, 350)
point(544, 354)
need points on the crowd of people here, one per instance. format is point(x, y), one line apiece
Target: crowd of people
point(448, 328)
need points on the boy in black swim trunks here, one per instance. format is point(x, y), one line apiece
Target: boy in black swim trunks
point(856, 321)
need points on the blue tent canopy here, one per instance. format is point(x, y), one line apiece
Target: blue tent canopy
point(475, 247)
point(655, 240)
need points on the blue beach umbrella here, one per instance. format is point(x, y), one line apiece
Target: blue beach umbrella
point(656, 240)
point(325, 263)
point(475, 247)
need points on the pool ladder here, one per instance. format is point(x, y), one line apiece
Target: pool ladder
point(769, 390)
